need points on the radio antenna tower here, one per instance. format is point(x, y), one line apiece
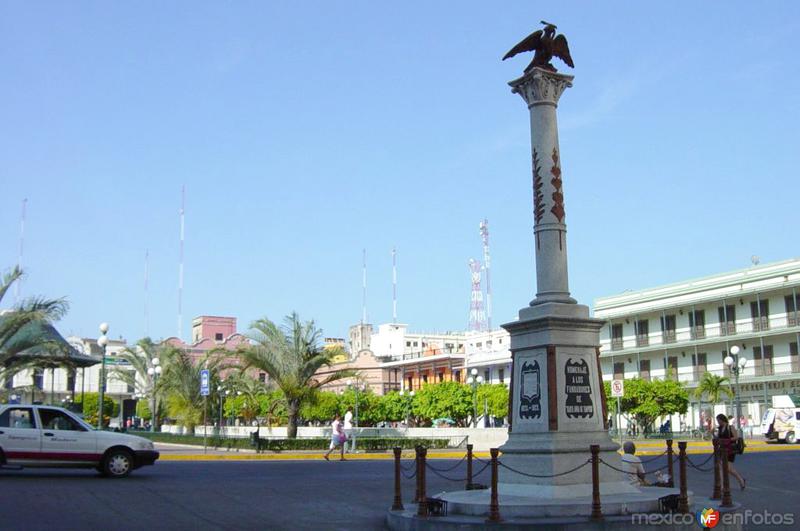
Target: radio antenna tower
point(180, 267)
point(394, 285)
point(477, 317)
point(146, 279)
point(363, 286)
point(487, 261)
point(21, 248)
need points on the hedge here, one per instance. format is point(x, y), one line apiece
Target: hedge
point(277, 445)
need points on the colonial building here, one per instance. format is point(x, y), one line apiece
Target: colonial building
point(683, 330)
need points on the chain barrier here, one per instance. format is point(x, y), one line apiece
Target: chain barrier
point(633, 473)
point(700, 466)
point(659, 456)
point(408, 476)
point(459, 480)
point(544, 476)
point(411, 465)
point(448, 469)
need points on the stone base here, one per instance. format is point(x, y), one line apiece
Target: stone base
point(407, 520)
point(476, 503)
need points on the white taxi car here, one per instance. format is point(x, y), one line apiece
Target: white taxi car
point(49, 436)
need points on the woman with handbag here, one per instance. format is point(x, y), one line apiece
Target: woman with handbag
point(728, 441)
point(338, 438)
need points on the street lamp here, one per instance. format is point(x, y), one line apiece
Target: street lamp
point(736, 365)
point(474, 380)
point(221, 394)
point(154, 372)
point(102, 342)
point(356, 386)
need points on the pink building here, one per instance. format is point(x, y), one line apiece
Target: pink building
point(210, 332)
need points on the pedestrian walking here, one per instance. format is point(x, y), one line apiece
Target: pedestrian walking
point(348, 430)
point(338, 438)
point(727, 437)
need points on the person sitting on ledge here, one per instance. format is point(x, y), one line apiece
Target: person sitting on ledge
point(632, 465)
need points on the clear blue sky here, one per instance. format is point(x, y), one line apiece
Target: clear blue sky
point(306, 131)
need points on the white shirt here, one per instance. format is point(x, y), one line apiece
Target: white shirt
point(348, 420)
point(632, 465)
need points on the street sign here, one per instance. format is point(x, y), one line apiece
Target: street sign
point(617, 388)
point(204, 387)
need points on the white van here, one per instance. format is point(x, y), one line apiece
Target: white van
point(782, 421)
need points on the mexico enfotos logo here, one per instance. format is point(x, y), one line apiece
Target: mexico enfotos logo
point(709, 518)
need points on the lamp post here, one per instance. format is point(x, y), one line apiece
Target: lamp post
point(474, 380)
point(356, 387)
point(154, 372)
point(736, 365)
point(221, 394)
point(410, 395)
point(102, 342)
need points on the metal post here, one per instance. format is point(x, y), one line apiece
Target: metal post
point(155, 406)
point(683, 498)
point(597, 513)
point(418, 475)
point(353, 443)
point(397, 505)
point(670, 470)
point(469, 467)
point(738, 399)
point(716, 494)
point(422, 507)
point(102, 390)
point(494, 504)
point(726, 482)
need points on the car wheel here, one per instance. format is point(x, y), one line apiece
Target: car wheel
point(791, 438)
point(118, 463)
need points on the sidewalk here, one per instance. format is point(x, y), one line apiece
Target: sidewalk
point(177, 452)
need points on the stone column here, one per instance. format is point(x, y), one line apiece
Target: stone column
point(541, 90)
point(557, 407)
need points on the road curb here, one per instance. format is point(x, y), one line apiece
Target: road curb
point(388, 456)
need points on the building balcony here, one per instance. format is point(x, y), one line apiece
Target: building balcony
point(708, 334)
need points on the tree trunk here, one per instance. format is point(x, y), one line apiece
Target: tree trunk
point(292, 410)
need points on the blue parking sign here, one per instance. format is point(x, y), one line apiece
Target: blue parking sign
point(204, 387)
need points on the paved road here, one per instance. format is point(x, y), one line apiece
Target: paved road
point(279, 494)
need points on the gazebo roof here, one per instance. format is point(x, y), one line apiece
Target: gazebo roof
point(54, 351)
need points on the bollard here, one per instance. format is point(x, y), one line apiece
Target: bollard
point(397, 505)
point(597, 513)
point(726, 479)
point(422, 504)
point(494, 503)
point(418, 475)
point(683, 498)
point(716, 494)
point(469, 467)
point(670, 470)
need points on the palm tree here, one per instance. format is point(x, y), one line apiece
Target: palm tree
point(180, 383)
point(141, 357)
point(15, 322)
point(291, 355)
point(713, 387)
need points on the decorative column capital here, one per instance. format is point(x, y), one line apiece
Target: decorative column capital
point(541, 87)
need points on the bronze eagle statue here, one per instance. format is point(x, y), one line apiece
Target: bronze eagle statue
point(545, 44)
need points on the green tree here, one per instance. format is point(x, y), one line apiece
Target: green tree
point(443, 400)
point(321, 407)
point(143, 410)
point(648, 400)
point(91, 404)
point(140, 357)
point(394, 407)
point(180, 384)
point(712, 388)
point(291, 354)
point(495, 396)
